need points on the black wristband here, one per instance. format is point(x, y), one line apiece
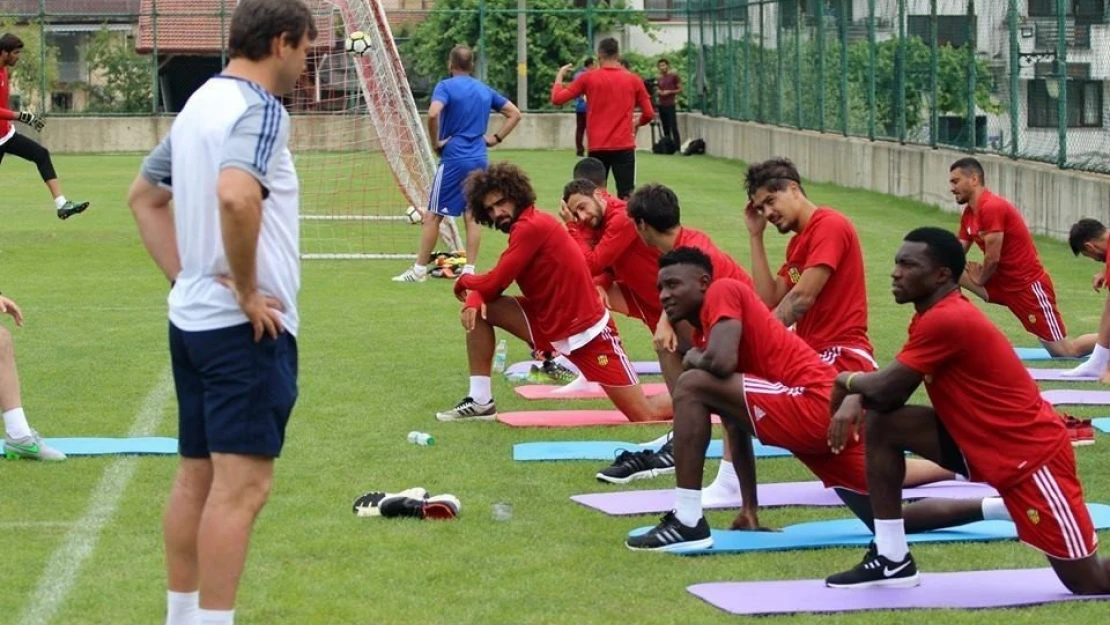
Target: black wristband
point(498, 137)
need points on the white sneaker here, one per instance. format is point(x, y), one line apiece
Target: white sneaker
point(469, 410)
point(367, 503)
point(31, 447)
point(410, 275)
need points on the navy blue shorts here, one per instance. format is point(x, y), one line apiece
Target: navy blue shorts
point(234, 396)
point(448, 198)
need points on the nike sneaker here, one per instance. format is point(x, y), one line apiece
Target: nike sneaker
point(877, 571)
point(31, 447)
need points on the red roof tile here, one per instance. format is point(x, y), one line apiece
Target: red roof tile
point(73, 10)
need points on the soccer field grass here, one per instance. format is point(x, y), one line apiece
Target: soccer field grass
point(378, 359)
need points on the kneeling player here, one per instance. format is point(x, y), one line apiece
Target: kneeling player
point(20, 441)
point(766, 382)
point(558, 307)
point(987, 421)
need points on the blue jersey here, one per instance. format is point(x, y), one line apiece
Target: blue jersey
point(466, 106)
point(580, 101)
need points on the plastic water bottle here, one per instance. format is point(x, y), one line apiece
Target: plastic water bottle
point(499, 356)
point(422, 439)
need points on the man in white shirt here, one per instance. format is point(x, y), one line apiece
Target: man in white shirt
point(230, 248)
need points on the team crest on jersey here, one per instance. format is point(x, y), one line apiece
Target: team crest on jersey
point(603, 360)
point(794, 274)
point(1032, 318)
point(928, 378)
point(1034, 516)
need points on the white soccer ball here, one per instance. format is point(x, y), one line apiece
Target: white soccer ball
point(413, 215)
point(358, 43)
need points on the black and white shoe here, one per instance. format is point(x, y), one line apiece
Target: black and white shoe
point(630, 466)
point(662, 462)
point(367, 503)
point(469, 410)
point(672, 536)
point(877, 571)
point(439, 507)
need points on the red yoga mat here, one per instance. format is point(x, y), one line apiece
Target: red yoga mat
point(593, 391)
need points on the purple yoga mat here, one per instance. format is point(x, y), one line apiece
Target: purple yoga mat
point(965, 589)
point(770, 495)
point(1069, 397)
point(1057, 375)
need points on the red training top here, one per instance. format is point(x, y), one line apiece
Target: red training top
point(5, 93)
point(723, 265)
point(617, 247)
point(1018, 263)
point(613, 94)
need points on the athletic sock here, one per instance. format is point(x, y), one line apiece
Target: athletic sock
point(890, 539)
point(687, 506)
point(659, 442)
point(59, 201)
point(726, 476)
point(15, 424)
point(994, 509)
point(1100, 356)
point(467, 269)
point(960, 478)
point(420, 270)
point(182, 607)
point(216, 617)
point(480, 389)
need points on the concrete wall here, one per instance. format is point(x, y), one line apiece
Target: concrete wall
point(1051, 199)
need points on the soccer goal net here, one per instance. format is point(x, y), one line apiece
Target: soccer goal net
point(361, 150)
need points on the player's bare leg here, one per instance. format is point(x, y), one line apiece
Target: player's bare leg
point(920, 472)
point(19, 439)
point(429, 232)
point(966, 283)
point(1079, 347)
point(638, 407)
point(180, 527)
point(473, 241)
point(1088, 576)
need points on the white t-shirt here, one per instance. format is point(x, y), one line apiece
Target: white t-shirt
point(229, 123)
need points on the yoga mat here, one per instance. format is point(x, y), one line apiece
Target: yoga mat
point(111, 446)
point(590, 391)
point(608, 450)
point(1101, 424)
point(852, 532)
point(1057, 375)
point(571, 418)
point(961, 590)
point(1069, 397)
point(770, 495)
point(642, 367)
point(1036, 353)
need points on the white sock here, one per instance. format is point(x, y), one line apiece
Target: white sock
point(467, 269)
point(480, 389)
point(216, 617)
point(659, 442)
point(994, 509)
point(956, 477)
point(1100, 356)
point(15, 424)
point(726, 478)
point(687, 506)
point(182, 607)
point(890, 539)
point(1093, 366)
point(420, 270)
point(59, 201)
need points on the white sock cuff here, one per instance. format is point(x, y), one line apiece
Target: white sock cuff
point(59, 201)
point(1101, 354)
point(687, 506)
point(994, 509)
point(890, 539)
point(215, 617)
point(481, 389)
point(15, 423)
point(183, 598)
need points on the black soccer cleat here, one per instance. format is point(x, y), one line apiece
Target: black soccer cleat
point(367, 503)
point(877, 571)
point(69, 209)
point(438, 508)
point(672, 536)
point(630, 466)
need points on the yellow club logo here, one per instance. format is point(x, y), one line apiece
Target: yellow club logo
point(1032, 318)
point(794, 274)
point(1033, 516)
point(603, 360)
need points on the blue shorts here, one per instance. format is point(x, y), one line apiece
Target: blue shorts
point(234, 396)
point(448, 198)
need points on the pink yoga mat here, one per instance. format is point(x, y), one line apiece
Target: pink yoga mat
point(963, 590)
point(569, 418)
point(593, 391)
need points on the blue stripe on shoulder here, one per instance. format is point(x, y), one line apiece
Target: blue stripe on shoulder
point(271, 124)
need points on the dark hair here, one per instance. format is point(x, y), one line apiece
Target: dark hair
point(591, 169)
point(773, 175)
point(1084, 231)
point(970, 166)
point(656, 206)
point(943, 248)
point(625, 64)
point(504, 177)
point(462, 58)
point(663, 60)
point(255, 23)
point(608, 48)
point(578, 186)
point(10, 43)
point(589, 62)
point(687, 256)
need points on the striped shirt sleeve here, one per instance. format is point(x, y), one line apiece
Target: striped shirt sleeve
point(251, 143)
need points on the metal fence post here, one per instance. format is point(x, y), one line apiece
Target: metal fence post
point(821, 68)
point(1015, 74)
point(223, 33)
point(482, 70)
point(934, 71)
point(42, 57)
point(972, 76)
point(900, 100)
point(778, 63)
point(798, 64)
point(844, 67)
point(1062, 80)
point(154, 55)
point(872, 52)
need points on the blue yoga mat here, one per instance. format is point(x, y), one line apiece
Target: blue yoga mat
point(607, 450)
point(1102, 424)
point(150, 445)
point(852, 532)
point(1037, 353)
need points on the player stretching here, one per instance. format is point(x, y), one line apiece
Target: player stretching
point(558, 308)
point(20, 441)
point(1011, 274)
point(765, 382)
point(612, 93)
point(463, 103)
point(987, 421)
point(16, 144)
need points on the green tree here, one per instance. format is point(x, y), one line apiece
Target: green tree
point(119, 78)
point(27, 76)
point(554, 39)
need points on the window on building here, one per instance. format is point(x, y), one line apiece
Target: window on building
point(1084, 104)
point(663, 10)
point(953, 30)
point(1088, 10)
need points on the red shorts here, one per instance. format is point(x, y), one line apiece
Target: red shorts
point(1035, 307)
point(1048, 510)
point(797, 419)
point(648, 312)
point(601, 360)
point(849, 359)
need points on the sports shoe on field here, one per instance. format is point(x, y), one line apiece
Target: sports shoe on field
point(31, 447)
point(630, 466)
point(438, 508)
point(558, 372)
point(410, 276)
point(69, 209)
point(469, 410)
point(876, 570)
point(367, 503)
point(1080, 431)
point(671, 535)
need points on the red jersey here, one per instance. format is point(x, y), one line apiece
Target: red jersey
point(767, 348)
point(613, 94)
point(982, 393)
point(546, 264)
point(1018, 262)
point(723, 265)
point(5, 93)
point(617, 247)
point(838, 317)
